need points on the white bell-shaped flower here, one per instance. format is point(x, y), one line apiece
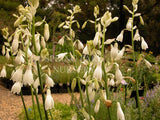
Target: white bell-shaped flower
point(120, 36)
point(7, 54)
point(114, 51)
point(3, 72)
point(120, 54)
point(96, 39)
point(19, 58)
point(98, 72)
point(16, 88)
point(136, 36)
point(111, 82)
point(148, 64)
point(17, 75)
point(49, 81)
point(118, 74)
point(36, 83)
point(129, 24)
point(46, 32)
point(80, 45)
point(61, 56)
point(144, 45)
point(85, 50)
point(49, 102)
point(97, 106)
point(120, 114)
point(29, 53)
point(61, 41)
point(28, 76)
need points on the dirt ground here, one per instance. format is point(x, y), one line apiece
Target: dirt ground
point(11, 105)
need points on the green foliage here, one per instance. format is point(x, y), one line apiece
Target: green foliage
point(60, 112)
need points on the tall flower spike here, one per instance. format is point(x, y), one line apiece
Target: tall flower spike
point(120, 114)
point(144, 45)
point(17, 75)
point(49, 102)
point(120, 36)
point(3, 72)
point(16, 88)
point(49, 81)
point(46, 32)
point(28, 76)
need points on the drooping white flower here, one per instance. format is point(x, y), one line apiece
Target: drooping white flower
point(29, 53)
point(120, 114)
point(114, 51)
point(91, 92)
point(96, 39)
point(17, 75)
point(136, 36)
point(109, 41)
point(118, 75)
point(80, 45)
point(16, 88)
point(97, 106)
point(72, 57)
point(7, 54)
point(120, 54)
point(3, 72)
point(36, 83)
point(49, 102)
point(43, 43)
point(148, 64)
point(19, 58)
point(144, 45)
point(61, 56)
point(61, 41)
point(85, 50)
point(46, 32)
point(120, 36)
point(34, 3)
point(98, 72)
point(129, 24)
point(15, 42)
point(28, 76)
point(49, 81)
point(111, 82)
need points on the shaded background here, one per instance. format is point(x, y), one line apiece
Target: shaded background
point(56, 12)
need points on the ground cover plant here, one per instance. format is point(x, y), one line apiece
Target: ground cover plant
point(104, 73)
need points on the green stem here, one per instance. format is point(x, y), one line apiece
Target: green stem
point(33, 103)
point(38, 67)
point(51, 114)
point(104, 71)
point(80, 90)
point(89, 104)
point(135, 67)
point(24, 106)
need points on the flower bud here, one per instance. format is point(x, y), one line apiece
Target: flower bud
point(141, 20)
point(96, 11)
point(96, 109)
point(73, 85)
point(46, 32)
point(3, 50)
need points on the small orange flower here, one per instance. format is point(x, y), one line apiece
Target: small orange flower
point(121, 89)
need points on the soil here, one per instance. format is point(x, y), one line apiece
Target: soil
point(11, 105)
